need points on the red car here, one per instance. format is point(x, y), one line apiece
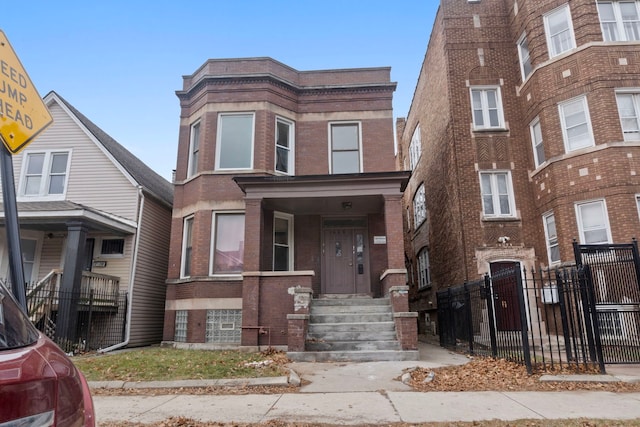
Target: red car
point(39, 385)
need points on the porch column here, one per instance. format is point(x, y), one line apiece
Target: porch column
point(71, 285)
point(250, 282)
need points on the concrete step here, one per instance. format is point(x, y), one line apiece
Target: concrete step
point(363, 327)
point(351, 336)
point(353, 356)
point(349, 301)
point(352, 345)
point(351, 318)
point(340, 309)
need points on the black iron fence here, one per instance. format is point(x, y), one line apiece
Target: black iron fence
point(100, 319)
point(584, 315)
point(542, 319)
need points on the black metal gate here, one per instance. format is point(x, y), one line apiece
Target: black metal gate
point(614, 274)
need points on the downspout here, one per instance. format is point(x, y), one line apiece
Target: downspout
point(132, 277)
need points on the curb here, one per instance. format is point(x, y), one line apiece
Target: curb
point(241, 382)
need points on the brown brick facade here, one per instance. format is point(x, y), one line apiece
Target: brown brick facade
point(475, 45)
point(310, 198)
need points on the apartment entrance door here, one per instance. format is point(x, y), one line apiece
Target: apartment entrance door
point(345, 257)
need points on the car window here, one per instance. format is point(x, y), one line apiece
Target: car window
point(15, 328)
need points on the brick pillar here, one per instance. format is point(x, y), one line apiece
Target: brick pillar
point(406, 321)
point(298, 322)
point(251, 282)
point(394, 229)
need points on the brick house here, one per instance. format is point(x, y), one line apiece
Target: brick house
point(285, 191)
point(523, 135)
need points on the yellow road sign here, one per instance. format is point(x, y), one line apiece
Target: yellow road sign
point(23, 115)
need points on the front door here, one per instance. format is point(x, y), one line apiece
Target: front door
point(345, 261)
point(505, 294)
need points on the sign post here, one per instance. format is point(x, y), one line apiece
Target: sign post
point(23, 115)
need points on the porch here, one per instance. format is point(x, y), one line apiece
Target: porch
point(309, 236)
point(100, 309)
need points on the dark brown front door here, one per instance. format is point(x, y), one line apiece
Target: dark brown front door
point(345, 261)
point(505, 295)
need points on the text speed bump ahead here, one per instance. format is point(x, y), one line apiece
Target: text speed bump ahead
point(23, 115)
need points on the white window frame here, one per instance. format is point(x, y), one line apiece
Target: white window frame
point(290, 150)
point(550, 37)
point(486, 118)
point(221, 117)
point(290, 241)
point(45, 176)
point(495, 195)
point(630, 134)
point(537, 143)
point(424, 269)
point(330, 142)
point(563, 121)
point(638, 204)
point(551, 240)
point(605, 225)
point(415, 148)
point(195, 145)
point(525, 56)
point(212, 247)
point(618, 25)
point(419, 207)
point(187, 222)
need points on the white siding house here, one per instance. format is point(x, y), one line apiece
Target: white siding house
point(74, 183)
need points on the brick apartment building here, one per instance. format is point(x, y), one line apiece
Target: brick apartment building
point(523, 135)
point(286, 190)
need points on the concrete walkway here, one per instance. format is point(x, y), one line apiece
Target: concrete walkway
point(370, 393)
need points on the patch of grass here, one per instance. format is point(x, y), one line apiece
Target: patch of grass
point(163, 364)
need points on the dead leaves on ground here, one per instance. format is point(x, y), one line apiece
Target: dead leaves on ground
point(489, 374)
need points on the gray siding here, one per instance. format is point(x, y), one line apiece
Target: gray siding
point(147, 314)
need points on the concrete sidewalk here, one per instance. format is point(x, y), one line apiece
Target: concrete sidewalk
point(370, 393)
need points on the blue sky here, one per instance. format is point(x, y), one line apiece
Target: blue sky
point(120, 62)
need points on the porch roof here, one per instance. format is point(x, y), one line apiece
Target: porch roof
point(359, 193)
point(53, 216)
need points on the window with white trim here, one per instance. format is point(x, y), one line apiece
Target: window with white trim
point(497, 194)
point(419, 207)
point(415, 148)
point(576, 124)
point(234, 148)
point(282, 242)
point(45, 174)
point(558, 29)
point(551, 237)
point(424, 269)
point(345, 148)
point(227, 242)
point(536, 141)
point(619, 20)
point(194, 149)
point(112, 247)
point(525, 57)
point(628, 108)
point(638, 203)
point(486, 107)
point(285, 162)
point(187, 247)
point(593, 222)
